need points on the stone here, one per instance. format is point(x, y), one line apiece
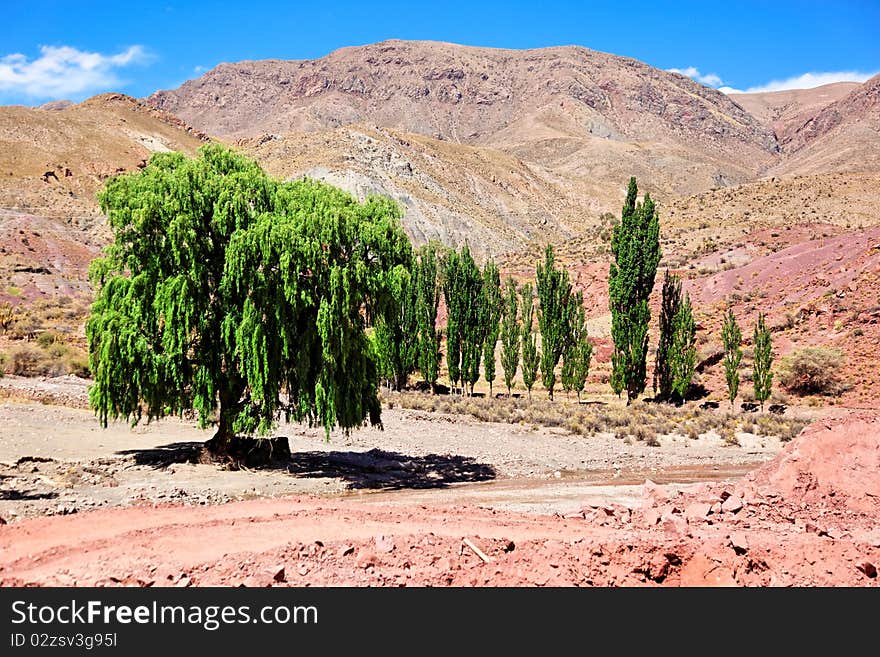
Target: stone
point(868, 569)
point(732, 504)
point(277, 573)
point(366, 559)
point(384, 543)
point(697, 511)
point(739, 542)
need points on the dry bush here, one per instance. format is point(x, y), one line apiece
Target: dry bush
point(26, 360)
point(812, 371)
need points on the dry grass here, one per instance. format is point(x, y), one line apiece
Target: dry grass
point(640, 421)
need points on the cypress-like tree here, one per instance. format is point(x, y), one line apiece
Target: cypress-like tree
point(669, 307)
point(510, 333)
point(530, 355)
point(397, 329)
point(762, 377)
point(554, 316)
point(492, 308)
point(224, 291)
point(466, 323)
point(453, 294)
point(683, 354)
point(635, 246)
point(428, 299)
point(578, 353)
point(731, 336)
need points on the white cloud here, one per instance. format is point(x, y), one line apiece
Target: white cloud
point(808, 81)
point(709, 79)
point(804, 81)
point(64, 72)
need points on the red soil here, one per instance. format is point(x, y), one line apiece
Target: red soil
point(807, 518)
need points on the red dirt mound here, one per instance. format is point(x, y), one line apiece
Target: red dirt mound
point(832, 463)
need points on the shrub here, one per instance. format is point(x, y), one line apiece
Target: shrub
point(26, 360)
point(812, 371)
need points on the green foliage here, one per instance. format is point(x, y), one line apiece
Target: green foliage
point(554, 316)
point(428, 298)
point(635, 245)
point(731, 336)
point(669, 307)
point(812, 371)
point(491, 313)
point(397, 329)
point(510, 333)
point(762, 377)
point(683, 354)
point(9, 315)
point(223, 287)
point(529, 341)
point(465, 327)
point(578, 353)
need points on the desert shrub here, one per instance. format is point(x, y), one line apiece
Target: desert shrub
point(48, 338)
point(3, 359)
point(812, 371)
point(26, 360)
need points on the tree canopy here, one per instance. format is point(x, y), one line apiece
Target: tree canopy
point(225, 289)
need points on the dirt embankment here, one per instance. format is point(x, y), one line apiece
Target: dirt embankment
point(806, 518)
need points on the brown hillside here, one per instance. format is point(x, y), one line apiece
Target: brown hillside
point(587, 115)
point(50, 226)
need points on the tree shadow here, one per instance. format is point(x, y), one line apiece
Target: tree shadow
point(380, 470)
point(18, 496)
point(164, 455)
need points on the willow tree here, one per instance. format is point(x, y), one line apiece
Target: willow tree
point(239, 297)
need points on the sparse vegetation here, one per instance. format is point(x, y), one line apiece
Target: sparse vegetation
point(812, 371)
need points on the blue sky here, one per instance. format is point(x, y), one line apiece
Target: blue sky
point(53, 49)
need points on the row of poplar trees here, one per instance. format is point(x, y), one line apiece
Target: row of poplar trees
point(480, 313)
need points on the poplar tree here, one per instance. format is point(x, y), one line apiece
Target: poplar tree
point(578, 353)
point(510, 333)
point(397, 329)
point(554, 316)
point(428, 298)
point(529, 342)
point(239, 297)
point(762, 377)
point(635, 245)
point(466, 324)
point(731, 336)
point(683, 356)
point(669, 307)
point(492, 308)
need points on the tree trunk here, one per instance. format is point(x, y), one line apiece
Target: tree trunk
point(230, 398)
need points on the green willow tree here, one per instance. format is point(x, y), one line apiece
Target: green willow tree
point(554, 316)
point(762, 376)
point(228, 293)
point(530, 356)
point(510, 333)
point(492, 308)
point(731, 337)
point(635, 246)
point(428, 298)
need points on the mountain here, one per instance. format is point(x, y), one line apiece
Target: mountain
point(52, 162)
point(842, 136)
point(590, 117)
point(786, 111)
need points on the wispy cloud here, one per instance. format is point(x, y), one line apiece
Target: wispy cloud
point(709, 79)
point(809, 81)
point(803, 81)
point(64, 72)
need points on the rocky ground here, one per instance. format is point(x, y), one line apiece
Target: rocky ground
point(506, 505)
